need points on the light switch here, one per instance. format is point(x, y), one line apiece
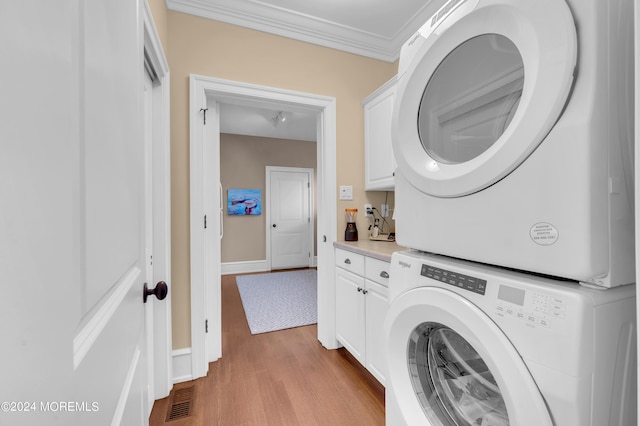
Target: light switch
point(346, 192)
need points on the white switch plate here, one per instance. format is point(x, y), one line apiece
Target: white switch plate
point(346, 192)
point(384, 210)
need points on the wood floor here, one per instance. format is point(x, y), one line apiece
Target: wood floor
point(280, 378)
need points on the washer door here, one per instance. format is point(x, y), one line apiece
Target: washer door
point(450, 364)
point(482, 84)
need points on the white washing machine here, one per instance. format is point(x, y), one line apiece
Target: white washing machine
point(470, 344)
point(513, 134)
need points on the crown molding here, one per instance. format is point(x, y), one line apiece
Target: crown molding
point(287, 23)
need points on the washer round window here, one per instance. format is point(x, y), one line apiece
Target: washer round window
point(450, 379)
point(470, 99)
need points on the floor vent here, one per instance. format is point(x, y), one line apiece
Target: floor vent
point(181, 404)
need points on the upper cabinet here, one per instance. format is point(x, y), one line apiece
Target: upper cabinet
point(379, 164)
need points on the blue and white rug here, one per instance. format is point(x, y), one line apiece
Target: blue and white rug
point(279, 300)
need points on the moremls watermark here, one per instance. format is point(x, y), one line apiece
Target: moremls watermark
point(49, 406)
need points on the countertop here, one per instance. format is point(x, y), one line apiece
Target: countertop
point(380, 250)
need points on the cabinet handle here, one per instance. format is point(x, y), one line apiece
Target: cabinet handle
point(384, 274)
point(359, 289)
point(347, 261)
point(365, 291)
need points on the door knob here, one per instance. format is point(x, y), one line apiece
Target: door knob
point(160, 291)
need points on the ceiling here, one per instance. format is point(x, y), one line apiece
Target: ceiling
point(251, 121)
point(371, 28)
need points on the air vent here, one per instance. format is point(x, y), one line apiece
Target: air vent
point(181, 404)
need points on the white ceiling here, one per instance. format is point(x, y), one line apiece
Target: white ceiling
point(372, 28)
point(245, 120)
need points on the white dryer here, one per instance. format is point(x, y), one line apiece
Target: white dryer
point(469, 344)
point(513, 134)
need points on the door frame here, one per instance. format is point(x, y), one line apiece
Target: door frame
point(309, 171)
point(161, 178)
point(206, 93)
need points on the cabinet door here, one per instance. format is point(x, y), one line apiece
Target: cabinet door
point(377, 305)
point(379, 162)
point(350, 302)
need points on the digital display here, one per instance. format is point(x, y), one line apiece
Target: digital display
point(511, 294)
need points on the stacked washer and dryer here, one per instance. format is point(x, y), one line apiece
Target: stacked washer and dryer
point(513, 134)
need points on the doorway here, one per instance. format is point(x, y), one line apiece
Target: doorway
point(206, 95)
point(290, 222)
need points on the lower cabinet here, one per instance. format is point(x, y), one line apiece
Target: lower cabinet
point(361, 307)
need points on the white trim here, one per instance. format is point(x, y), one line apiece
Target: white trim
point(181, 360)
point(89, 333)
point(637, 167)
point(289, 23)
point(267, 208)
point(126, 389)
point(244, 267)
point(251, 266)
point(205, 301)
point(161, 177)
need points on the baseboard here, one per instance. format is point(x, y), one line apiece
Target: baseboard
point(246, 267)
point(182, 365)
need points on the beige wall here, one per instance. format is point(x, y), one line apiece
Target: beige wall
point(243, 161)
point(159, 13)
point(206, 47)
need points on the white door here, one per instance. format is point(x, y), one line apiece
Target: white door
point(72, 221)
point(289, 221)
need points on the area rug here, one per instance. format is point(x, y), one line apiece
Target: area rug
point(279, 300)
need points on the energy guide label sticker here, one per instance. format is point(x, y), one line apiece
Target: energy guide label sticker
point(544, 234)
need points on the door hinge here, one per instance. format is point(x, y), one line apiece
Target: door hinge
point(206, 326)
point(205, 221)
point(204, 115)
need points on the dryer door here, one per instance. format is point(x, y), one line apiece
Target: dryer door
point(449, 364)
point(480, 86)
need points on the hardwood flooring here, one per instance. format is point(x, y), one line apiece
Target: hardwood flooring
point(279, 378)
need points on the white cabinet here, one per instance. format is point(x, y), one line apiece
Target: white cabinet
point(350, 313)
point(379, 163)
point(361, 306)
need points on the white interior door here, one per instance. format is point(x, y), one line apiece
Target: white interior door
point(289, 221)
point(72, 222)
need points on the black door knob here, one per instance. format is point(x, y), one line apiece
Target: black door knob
point(274, 225)
point(160, 291)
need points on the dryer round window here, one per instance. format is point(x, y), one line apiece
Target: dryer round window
point(461, 88)
point(513, 146)
point(465, 109)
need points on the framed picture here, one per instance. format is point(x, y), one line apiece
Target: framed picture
point(244, 202)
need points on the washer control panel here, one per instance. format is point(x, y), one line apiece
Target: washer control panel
point(455, 279)
point(533, 308)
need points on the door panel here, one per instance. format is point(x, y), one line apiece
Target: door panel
point(290, 219)
point(72, 222)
